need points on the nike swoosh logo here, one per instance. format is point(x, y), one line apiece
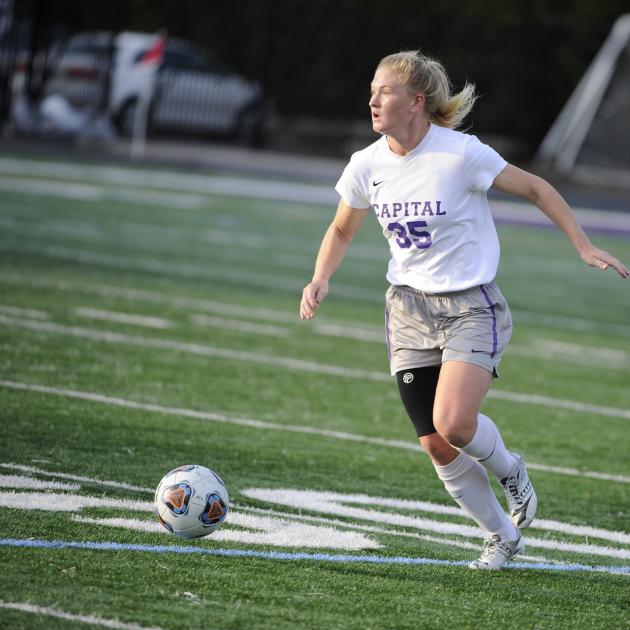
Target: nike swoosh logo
point(479, 350)
point(377, 183)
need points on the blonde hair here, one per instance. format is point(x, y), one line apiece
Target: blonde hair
point(427, 76)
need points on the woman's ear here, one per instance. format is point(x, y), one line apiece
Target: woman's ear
point(418, 102)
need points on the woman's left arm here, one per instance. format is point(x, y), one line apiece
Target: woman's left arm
point(541, 193)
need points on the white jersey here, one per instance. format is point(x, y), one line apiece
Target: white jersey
point(432, 206)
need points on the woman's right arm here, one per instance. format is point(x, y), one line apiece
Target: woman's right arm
point(334, 246)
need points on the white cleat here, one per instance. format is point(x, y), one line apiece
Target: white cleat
point(520, 495)
point(496, 553)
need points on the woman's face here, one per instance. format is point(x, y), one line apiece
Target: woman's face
point(391, 105)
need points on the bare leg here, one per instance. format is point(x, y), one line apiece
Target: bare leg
point(460, 391)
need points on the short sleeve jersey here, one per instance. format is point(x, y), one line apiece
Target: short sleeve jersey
point(432, 206)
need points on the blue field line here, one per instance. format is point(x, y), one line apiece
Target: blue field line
point(285, 555)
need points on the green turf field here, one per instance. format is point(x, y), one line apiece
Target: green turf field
point(148, 321)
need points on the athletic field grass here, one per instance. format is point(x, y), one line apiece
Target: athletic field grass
point(149, 320)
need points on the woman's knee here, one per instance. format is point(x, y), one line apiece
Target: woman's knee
point(438, 449)
point(454, 425)
point(460, 392)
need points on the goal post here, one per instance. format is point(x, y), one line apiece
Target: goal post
point(593, 129)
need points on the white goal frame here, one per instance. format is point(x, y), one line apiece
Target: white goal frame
point(560, 147)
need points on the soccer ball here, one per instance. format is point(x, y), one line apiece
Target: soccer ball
point(191, 501)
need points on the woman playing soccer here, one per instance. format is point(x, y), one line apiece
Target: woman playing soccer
point(447, 323)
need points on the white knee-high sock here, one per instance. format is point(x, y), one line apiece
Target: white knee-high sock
point(467, 482)
point(488, 449)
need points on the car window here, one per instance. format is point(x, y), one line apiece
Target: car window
point(98, 43)
point(183, 55)
point(94, 50)
point(180, 61)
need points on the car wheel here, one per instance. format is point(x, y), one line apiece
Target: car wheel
point(250, 128)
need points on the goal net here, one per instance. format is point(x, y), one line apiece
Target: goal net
point(591, 136)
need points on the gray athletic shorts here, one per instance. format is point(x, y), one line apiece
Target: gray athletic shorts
point(422, 329)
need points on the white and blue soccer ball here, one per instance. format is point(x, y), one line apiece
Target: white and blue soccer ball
point(191, 501)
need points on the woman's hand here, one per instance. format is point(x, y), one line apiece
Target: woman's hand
point(312, 297)
point(595, 257)
point(334, 246)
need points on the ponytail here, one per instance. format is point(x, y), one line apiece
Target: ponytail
point(427, 76)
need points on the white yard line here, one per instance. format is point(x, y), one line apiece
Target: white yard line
point(82, 230)
point(307, 537)
point(244, 187)
point(154, 297)
point(180, 200)
point(248, 277)
point(577, 324)
point(561, 470)
point(541, 348)
point(182, 270)
point(282, 532)
point(21, 482)
point(66, 502)
point(256, 424)
point(193, 348)
point(346, 331)
point(302, 252)
point(170, 180)
point(90, 620)
point(546, 349)
point(230, 354)
point(576, 354)
point(65, 190)
point(331, 503)
point(316, 499)
point(60, 502)
point(278, 251)
point(206, 416)
point(397, 533)
point(259, 530)
point(99, 194)
point(557, 403)
point(240, 326)
point(322, 325)
point(173, 238)
point(124, 318)
point(16, 311)
point(82, 478)
point(524, 213)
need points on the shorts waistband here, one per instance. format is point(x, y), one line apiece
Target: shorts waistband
point(405, 287)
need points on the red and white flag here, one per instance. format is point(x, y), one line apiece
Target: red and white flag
point(155, 54)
